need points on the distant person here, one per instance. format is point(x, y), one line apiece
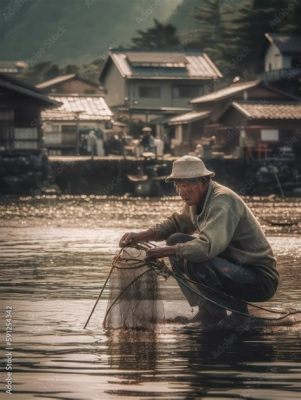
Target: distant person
point(147, 140)
point(91, 143)
point(214, 241)
point(159, 147)
point(199, 150)
point(45, 164)
point(99, 143)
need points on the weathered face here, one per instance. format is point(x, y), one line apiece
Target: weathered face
point(191, 192)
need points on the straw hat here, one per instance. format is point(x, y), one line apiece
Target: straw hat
point(188, 167)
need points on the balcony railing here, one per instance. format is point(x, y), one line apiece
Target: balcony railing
point(280, 74)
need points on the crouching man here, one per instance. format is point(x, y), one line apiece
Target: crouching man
point(215, 241)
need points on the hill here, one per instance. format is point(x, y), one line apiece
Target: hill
point(73, 31)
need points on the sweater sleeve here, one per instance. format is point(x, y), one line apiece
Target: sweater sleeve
point(215, 233)
point(177, 222)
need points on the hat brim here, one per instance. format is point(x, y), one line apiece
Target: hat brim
point(172, 178)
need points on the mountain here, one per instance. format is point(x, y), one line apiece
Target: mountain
point(73, 31)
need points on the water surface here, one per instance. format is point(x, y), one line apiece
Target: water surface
point(55, 254)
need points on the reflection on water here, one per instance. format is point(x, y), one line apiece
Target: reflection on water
point(54, 259)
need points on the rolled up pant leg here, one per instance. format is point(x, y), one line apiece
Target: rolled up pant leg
point(178, 265)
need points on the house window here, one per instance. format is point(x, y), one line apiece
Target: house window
point(270, 135)
point(26, 138)
point(68, 129)
point(185, 91)
point(150, 92)
point(68, 135)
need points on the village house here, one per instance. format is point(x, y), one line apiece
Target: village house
point(245, 119)
point(13, 67)
point(148, 85)
point(20, 116)
point(22, 159)
point(70, 84)
point(282, 62)
point(67, 126)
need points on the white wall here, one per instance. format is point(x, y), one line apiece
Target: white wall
point(274, 58)
point(115, 86)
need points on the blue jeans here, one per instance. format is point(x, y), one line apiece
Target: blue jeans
point(243, 282)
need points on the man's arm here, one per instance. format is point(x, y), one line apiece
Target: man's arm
point(216, 232)
point(177, 222)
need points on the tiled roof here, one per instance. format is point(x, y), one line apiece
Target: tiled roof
point(87, 107)
point(167, 65)
point(260, 110)
point(54, 81)
point(188, 117)
point(16, 85)
point(225, 92)
point(12, 66)
point(289, 44)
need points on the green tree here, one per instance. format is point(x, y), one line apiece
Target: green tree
point(292, 18)
point(212, 33)
point(159, 36)
point(70, 69)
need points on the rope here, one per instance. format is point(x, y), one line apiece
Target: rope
point(284, 314)
point(104, 285)
point(160, 268)
point(122, 293)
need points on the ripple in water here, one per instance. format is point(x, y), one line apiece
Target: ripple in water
point(55, 255)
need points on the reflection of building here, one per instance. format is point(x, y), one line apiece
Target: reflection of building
point(20, 109)
point(152, 84)
point(77, 114)
point(283, 62)
point(244, 114)
point(70, 84)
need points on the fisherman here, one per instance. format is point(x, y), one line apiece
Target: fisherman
point(215, 241)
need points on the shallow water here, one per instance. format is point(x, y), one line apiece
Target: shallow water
point(55, 255)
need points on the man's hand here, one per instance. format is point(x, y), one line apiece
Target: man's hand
point(129, 238)
point(160, 252)
point(136, 237)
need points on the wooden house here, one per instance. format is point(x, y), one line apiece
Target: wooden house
point(20, 112)
point(282, 60)
point(243, 115)
point(147, 85)
point(70, 84)
point(13, 67)
point(77, 114)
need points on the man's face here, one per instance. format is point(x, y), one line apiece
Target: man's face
point(191, 192)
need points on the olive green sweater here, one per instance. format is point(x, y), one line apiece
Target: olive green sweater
point(226, 227)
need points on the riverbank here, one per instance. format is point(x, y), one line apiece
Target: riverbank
point(109, 175)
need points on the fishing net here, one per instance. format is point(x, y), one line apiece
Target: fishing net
point(134, 300)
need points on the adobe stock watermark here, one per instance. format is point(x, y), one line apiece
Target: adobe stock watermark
point(283, 13)
point(8, 339)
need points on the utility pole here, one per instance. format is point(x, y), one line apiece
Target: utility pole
point(77, 114)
